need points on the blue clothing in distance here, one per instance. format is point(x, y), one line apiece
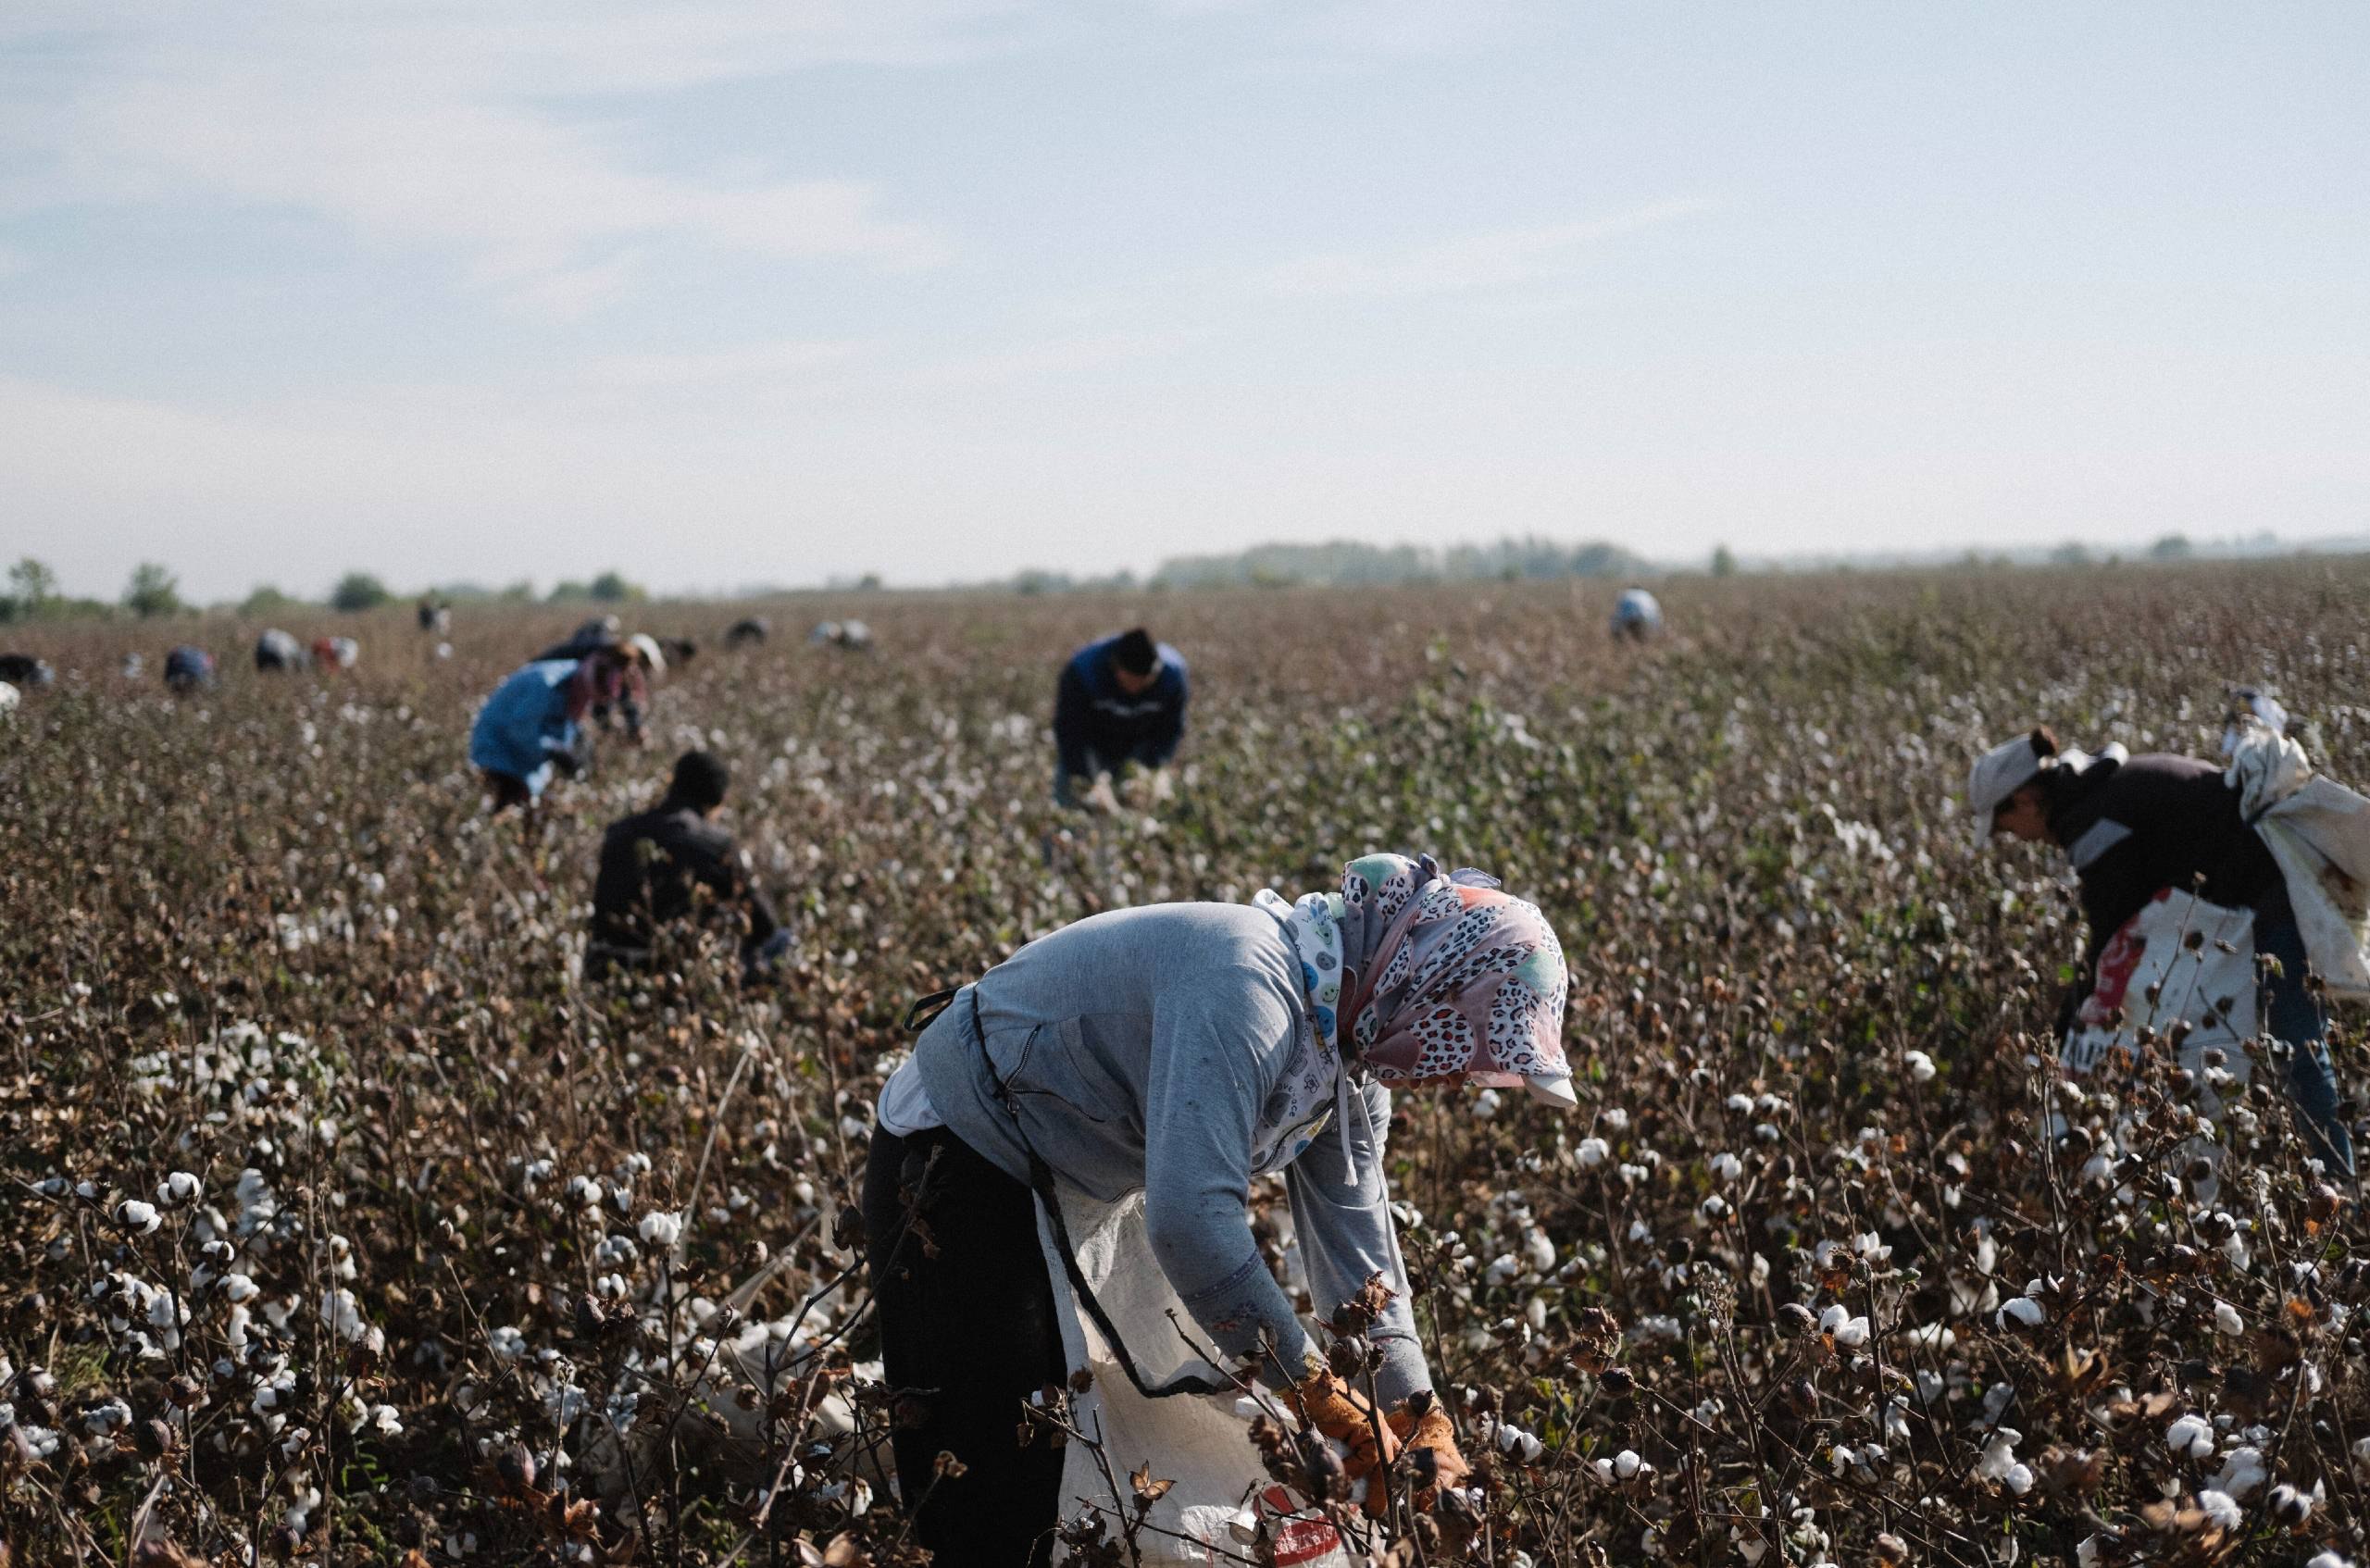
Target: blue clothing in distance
point(187, 668)
point(525, 724)
point(1097, 727)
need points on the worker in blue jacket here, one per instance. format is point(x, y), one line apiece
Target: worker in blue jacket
point(1121, 700)
point(532, 726)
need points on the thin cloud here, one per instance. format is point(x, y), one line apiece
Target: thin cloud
point(1500, 258)
point(437, 129)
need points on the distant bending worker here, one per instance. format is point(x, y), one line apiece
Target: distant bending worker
point(1121, 700)
point(186, 669)
point(673, 864)
point(1636, 615)
point(630, 691)
point(532, 726)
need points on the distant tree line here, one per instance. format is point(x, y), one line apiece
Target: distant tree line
point(153, 590)
point(1350, 563)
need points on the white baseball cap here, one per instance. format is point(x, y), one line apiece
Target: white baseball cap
point(648, 647)
point(1997, 774)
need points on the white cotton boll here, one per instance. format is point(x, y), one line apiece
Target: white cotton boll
point(661, 1228)
point(1503, 1270)
point(2227, 1319)
point(1713, 1209)
point(1727, 1167)
point(2190, 1438)
point(1920, 1066)
point(1740, 1104)
point(1537, 1250)
point(1849, 1332)
point(1616, 1118)
point(1999, 1453)
point(1831, 1318)
point(1627, 1466)
point(507, 1343)
point(134, 1215)
point(342, 1314)
point(2242, 1471)
point(237, 1287)
point(178, 1189)
point(1487, 1104)
point(2021, 1309)
point(1592, 1152)
point(2328, 1559)
point(2221, 1508)
point(386, 1421)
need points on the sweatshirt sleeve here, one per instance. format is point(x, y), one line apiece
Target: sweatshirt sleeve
point(1342, 1214)
point(1213, 1063)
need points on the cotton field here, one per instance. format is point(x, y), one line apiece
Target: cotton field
point(342, 1222)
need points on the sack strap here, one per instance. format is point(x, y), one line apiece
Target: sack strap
point(919, 1016)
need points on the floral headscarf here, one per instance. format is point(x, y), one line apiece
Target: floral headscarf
point(1439, 974)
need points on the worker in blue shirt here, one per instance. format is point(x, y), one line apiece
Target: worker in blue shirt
point(1121, 700)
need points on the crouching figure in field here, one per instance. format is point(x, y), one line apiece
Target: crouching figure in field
point(1068, 1156)
point(2207, 896)
point(674, 864)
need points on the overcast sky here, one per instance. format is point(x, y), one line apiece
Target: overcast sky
point(737, 291)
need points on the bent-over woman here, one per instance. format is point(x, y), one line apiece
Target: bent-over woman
point(2132, 826)
point(1181, 1050)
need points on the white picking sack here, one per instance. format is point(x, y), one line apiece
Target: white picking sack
point(2319, 832)
point(2210, 984)
point(1199, 1442)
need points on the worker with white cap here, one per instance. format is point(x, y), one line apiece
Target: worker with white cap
point(2135, 829)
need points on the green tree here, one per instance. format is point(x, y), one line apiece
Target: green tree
point(264, 601)
point(611, 588)
point(32, 587)
point(1724, 561)
point(2171, 547)
point(152, 590)
point(358, 590)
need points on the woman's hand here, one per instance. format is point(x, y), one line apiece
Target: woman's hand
point(1431, 1433)
point(1342, 1414)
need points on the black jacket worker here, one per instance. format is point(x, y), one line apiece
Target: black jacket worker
point(671, 864)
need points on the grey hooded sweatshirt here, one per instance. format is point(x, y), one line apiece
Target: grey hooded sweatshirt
point(1140, 1047)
